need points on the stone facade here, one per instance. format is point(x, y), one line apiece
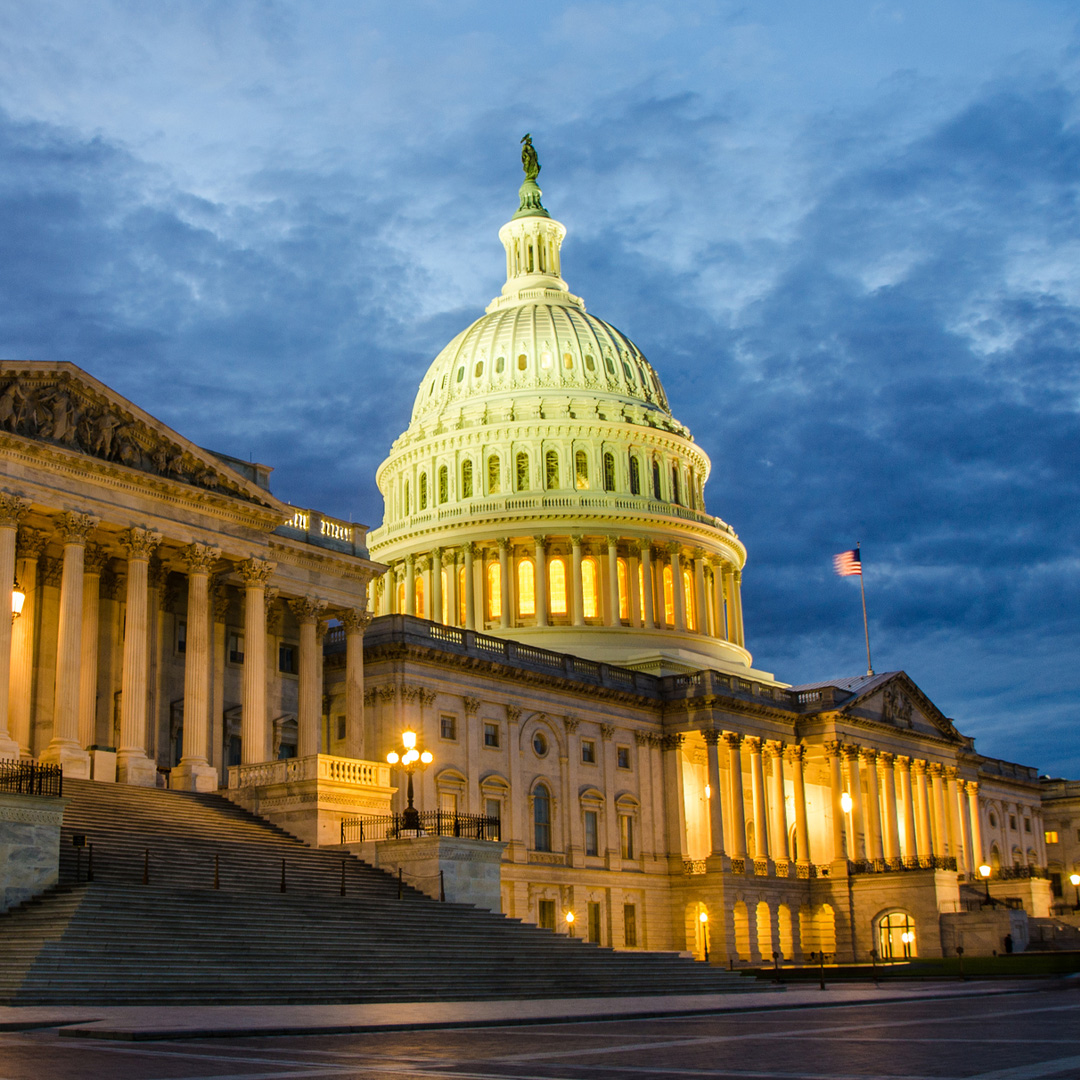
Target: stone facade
point(29, 846)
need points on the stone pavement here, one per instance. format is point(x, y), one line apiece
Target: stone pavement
point(220, 1021)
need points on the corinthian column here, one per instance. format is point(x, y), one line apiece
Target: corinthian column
point(355, 623)
point(701, 622)
point(647, 582)
point(678, 593)
point(796, 756)
point(255, 574)
point(925, 832)
point(449, 560)
point(875, 848)
point(833, 751)
point(907, 798)
point(719, 622)
point(857, 840)
point(738, 813)
point(195, 773)
point(12, 510)
point(779, 845)
point(541, 580)
point(94, 562)
point(436, 601)
point(716, 812)
point(308, 612)
point(757, 791)
point(977, 855)
point(132, 764)
point(613, 582)
point(888, 800)
point(504, 583)
point(577, 606)
point(64, 749)
point(470, 588)
point(28, 549)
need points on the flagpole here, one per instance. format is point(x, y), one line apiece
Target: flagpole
point(865, 623)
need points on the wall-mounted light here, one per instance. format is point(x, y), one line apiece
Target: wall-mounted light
point(846, 803)
point(18, 598)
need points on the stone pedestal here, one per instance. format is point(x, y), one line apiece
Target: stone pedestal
point(71, 757)
point(103, 764)
point(191, 776)
point(29, 846)
point(134, 767)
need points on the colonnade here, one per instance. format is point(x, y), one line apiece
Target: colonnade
point(888, 811)
point(146, 558)
point(571, 580)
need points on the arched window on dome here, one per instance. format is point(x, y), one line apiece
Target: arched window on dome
point(500, 364)
point(581, 470)
point(609, 363)
point(479, 369)
point(557, 585)
point(406, 499)
point(590, 363)
point(523, 361)
point(656, 479)
point(444, 615)
point(461, 595)
point(635, 475)
point(590, 588)
point(522, 470)
point(675, 485)
point(609, 472)
point(669, 597)
point(494, 591)
point(493, 474)
point(444, 484)
point(551, 470)
point(568, 361)
point(418, 588)
point(688, 599)
point(423, 491)
point(526, 582)
point(628, 373)
point(623, 570)
point(466, 479)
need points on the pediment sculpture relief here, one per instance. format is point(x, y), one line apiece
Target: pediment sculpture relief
point(61, 412)
point(896, 708)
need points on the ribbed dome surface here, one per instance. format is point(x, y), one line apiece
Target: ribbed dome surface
point(555, 349)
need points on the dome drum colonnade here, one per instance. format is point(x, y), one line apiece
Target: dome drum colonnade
point(543, 485)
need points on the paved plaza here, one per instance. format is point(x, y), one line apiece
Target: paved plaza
point(1019, 1033)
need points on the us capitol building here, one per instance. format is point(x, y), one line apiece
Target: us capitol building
point(549, 605)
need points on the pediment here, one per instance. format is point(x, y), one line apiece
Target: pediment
point(61, 405)
point(899, 703)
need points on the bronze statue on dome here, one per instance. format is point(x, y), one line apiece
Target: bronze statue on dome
point(528, 158)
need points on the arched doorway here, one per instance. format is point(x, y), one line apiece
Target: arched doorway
point(896, 936)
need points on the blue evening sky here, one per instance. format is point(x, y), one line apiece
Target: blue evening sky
point(846, 234)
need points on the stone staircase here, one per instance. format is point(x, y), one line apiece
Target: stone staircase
point(178, 940)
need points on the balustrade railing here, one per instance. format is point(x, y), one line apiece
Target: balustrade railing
point(884, 866)
point(31, 778)
point(432, 823)
point(693, 867)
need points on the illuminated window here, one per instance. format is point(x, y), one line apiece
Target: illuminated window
point(423, 491)
point(418, 588)
point(1051, 836)
point(522, 464)
point(688, 599)
point(445, 613)
point(641, 592)
point(581, 469)
point(624, 589)
point(626, 831)
point(675, 485)
point(896, 936)
point(522, 361)
point(557, 586)
point(466, 479)
point(551, 470)
point(545, 359)
point(609, 472)
point(493, 474)
point(461, 595)
point(656, 479)
point(590, 592)
point(526, 588)
point(568, 360)
point(494, 591)
point(635, 476)
point(444, 484)
point(406, 498)
point(669, 598)
point(401, 597)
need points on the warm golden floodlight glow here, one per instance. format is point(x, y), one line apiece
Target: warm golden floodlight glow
point(18, 598)
point(703, 917)
point(569, 916)
point(846, 803)
point(392, 757)
point(425, 757)
point(984, 870)
point(1074, 879)
point(408, 739)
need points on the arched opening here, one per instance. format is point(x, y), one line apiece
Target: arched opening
point(765, 931)
point(444, 484)
point(699, 931)
point(635, 476)
point(401, 598)
point(669, 596)
point(688, 600)
point(825, 923)
point(675, 495)
point(609, 472)
point(995, 858)
point(494, 591)
point(423, 491)
point(522, 471)
point(493, 474)
point(466, 479)
point(741, 922)
point(581, 470)
point(541, 818)
point(623, 572)
point(406, 500)
point(419, 590)
point(808, 931)
point(444, 615)
point(526, 582)
point(461, 595)
point(557, 585)
point(551, 470)
point(896, 936)
point(785, 940)
point(590, 592)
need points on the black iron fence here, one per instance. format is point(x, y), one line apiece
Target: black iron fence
point(31, 778)
point(886, 866)
point(1019, 873)
point(432, 823)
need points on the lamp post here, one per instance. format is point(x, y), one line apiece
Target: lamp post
point(1074, 881)
point(984, 873)
point(410, 758)
point(703, 918)
point(569, 916)
point(18, 598)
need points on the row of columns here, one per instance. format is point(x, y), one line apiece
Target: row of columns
point(715, 586)
point(76, 655)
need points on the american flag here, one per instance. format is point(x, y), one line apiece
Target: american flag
point(848, 563)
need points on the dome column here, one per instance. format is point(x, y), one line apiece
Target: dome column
point(577, 606)
point(737, 804)
point(613, 581)
point(719, 620)
point(453, 607)
point(736, 591)
point(436, 614)
point(634, 599)
point(541, 580)
point(410, 585)
point(677, 591)
point(504, 583)
point(470, 589)
point(701, 623)
point(647, 582)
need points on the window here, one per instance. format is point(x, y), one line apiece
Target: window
point(551, 470)
point(635, 476)
point(491, 734)
point(1012, 822)
point(590, 591)
point(181, 636)
point(236, 647)
point(406, 498)
point(1027, 824)
point(623, 574)
point(688, 599)
point(494, 581)
point(581, 470)
point(896, 936)
point(669, 597)
point(444, 615)
point(557, 586)
point(542, 819)
point(466, 479)
point(522, 472)
point(1078, 836)
point(493, 475)
point(568, 360)
point(546, 914)
point(448, 802)
point(590, 363)
point(675, 485)
point(609, 472)
point(1051, 836)
point(594, 922)
point(448, 726)
point(526, 575)
point(629, 921)
point(423, 491)
point(588, 751)
point(493, 809)
point(444, 484)
point(418, 588)
point(545, 360)
point(522, 361)
point(626, 831)
point(592, 832)
point(460, 373)
point(479, 369)
point(540, 744)
point(622, 757)
point(656, 479)
point(340, 728)
point(287, 659)
point(461, 595)
point(500, 364)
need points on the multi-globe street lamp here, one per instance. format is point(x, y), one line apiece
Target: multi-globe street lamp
point(410, 757)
